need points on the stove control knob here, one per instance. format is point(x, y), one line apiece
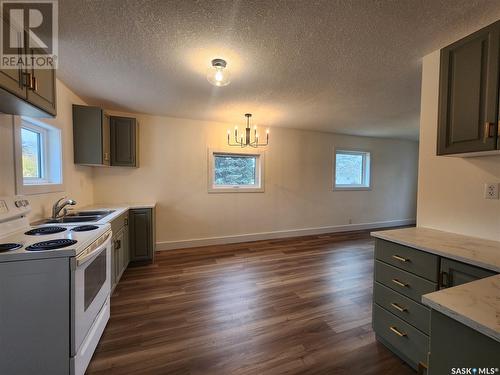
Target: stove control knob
point(26, 203)
point(18, 204)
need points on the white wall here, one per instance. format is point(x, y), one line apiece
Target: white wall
point(450, 190)
point(298, 186)
point(77, 180)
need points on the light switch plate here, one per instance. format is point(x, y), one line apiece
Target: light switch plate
point(491, 190)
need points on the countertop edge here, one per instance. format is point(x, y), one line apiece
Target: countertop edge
point(453, 314)
point(445, 254)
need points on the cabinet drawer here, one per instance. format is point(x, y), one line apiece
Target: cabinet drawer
point(403, 282)
point(412, 260)
point(119, 222)
point(409, 341)
point(410, 311)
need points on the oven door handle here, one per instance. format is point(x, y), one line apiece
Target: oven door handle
point(82, 259)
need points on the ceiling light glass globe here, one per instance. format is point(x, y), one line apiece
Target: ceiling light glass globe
point(217, 74)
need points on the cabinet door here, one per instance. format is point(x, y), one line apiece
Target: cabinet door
point(12, 79)
point(455, 273)
point(141, 234)
point(125, 246)
point(89, 141)
point(43, 89)
point(123, 141)
point(468, 93)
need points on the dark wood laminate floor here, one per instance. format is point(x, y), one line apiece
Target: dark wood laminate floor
point(294, 306)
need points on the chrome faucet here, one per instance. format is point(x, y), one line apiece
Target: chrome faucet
point(60, 205)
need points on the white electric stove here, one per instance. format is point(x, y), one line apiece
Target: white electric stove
point(55, 283)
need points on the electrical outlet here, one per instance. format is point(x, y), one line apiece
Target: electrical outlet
point(491, 191)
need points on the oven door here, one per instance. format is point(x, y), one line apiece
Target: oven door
point(92, 286)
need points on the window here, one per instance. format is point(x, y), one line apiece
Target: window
point(233, 172)
point(351, 170)
point(38, 157)
point(32, 143)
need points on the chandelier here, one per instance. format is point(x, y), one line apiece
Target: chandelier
point(244, 140)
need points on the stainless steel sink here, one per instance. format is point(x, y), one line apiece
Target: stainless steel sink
point(78, 217)
point(89, 213)
point(72, 219)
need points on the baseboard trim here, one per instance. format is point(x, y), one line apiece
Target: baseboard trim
point(198, 242)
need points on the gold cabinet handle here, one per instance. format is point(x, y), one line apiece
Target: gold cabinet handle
point(28, 80)
point(401, 259)
point(487, 131)
point(34, 83)
point(398, 332)
point(397, 282)
point(397, 307)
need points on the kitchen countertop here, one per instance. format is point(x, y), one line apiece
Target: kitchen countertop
point(471, 250)
point(118, 209)
point(475, 304)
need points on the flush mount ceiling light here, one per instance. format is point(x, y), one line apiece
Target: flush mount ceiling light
point(245, 140)
point(218, 75)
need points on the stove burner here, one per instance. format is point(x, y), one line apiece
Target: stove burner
point(9, 246)
point(45, 230)
point(84, 228)
point(51, 245)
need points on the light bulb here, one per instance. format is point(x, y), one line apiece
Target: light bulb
point(217, 74)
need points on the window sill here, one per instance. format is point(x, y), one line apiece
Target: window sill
point(352, 188)
point(31, 189)
point(236, 189)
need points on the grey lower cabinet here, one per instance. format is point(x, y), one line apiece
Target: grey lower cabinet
point(120, 253)
point(469, 94)
point(424, 338)
point(124, 133)
point(454, 345)
point(400, 321)
point(455, 273)
point(142, 235)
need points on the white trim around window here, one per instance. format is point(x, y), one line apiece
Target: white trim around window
point(50, 166)
point(366, 173)
point(259, 174)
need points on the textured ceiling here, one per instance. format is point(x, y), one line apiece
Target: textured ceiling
point(350, 66)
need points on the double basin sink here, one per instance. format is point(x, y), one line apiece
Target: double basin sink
point(78, 217)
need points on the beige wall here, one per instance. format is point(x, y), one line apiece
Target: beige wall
point(77, 180)
point(450, 190)
point(298, 186)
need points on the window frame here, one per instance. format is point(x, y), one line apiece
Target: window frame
point(51, 158)
point(258, 187)
point(366, 170)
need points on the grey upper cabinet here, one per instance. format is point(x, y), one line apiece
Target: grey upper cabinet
point(124, 132)
point(29, 92)
point(90, 136)
point(141, 235)
point(468, 94)
point(455, 273)
point(102, 140)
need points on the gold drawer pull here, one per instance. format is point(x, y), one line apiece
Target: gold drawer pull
point(401, 259)
point(398, 332)
point(397, 282)
point(397, 307)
